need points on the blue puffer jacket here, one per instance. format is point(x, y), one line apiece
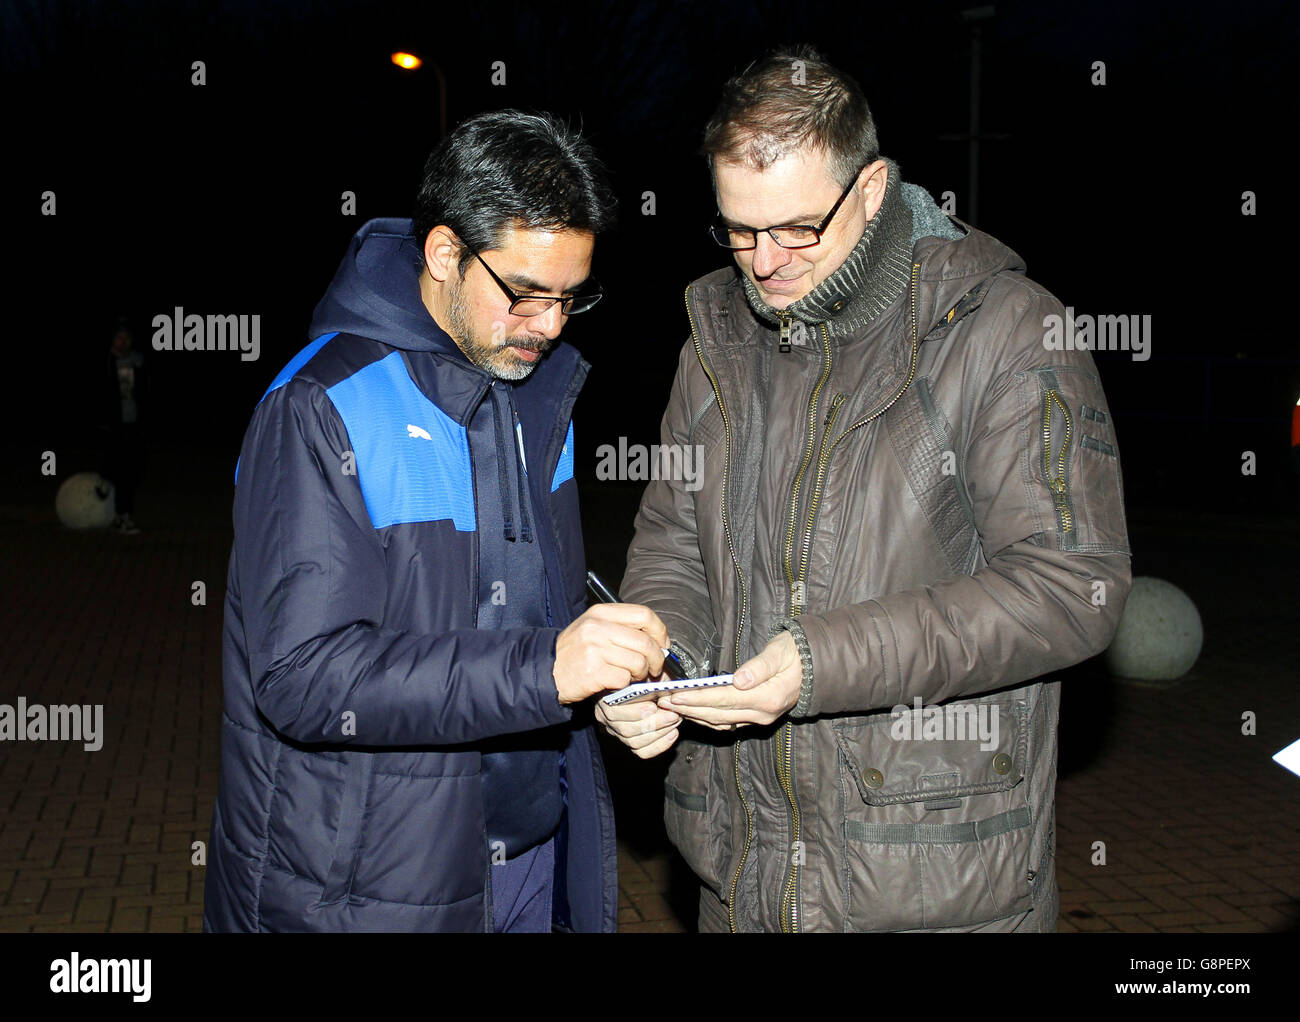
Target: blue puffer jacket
point(357, 687)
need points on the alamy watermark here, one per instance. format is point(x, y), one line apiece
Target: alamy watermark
point(952, 722)
point(1098, 333)
point(58, 723)
point(181, 332)
point(638, 463)
point(75, 975)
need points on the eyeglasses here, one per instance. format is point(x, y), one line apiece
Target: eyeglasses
point(741, 239)
point(535, 305)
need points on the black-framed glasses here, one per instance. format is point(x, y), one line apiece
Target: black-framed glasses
point(741, 239)
point(535, 305)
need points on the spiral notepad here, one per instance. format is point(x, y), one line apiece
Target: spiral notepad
point(646, 689)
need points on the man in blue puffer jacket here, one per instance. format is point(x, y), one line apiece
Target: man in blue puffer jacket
point(405, 640)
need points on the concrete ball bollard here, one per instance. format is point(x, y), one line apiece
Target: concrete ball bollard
point(1159, 636)
point(86, 501)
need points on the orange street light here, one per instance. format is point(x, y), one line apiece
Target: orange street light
point(406, 61)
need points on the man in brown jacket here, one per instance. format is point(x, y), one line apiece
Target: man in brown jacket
point(910, 516)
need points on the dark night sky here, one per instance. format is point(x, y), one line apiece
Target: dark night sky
point(1123, 199)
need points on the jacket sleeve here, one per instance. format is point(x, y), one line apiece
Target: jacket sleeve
point(665, 571)
point(1051, 526)
point(312, 580)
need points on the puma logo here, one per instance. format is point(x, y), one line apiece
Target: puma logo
point(416, 431)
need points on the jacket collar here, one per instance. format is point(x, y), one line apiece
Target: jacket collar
point(952, 278)
point(950, 269)
point(457, 386)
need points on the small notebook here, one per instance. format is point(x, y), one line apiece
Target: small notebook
point(648, 689)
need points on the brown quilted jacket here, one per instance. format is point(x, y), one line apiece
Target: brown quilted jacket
point(934, 504)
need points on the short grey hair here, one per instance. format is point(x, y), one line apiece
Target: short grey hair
point(789, 99)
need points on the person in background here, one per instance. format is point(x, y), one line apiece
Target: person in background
point(125, 458)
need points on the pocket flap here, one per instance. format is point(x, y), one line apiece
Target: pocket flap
point(347, 843)
point(935, 754)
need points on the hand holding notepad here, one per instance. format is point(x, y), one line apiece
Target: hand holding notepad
point(650, 689)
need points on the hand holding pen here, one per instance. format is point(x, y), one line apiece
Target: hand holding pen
point(643, 727)
point(607, 648)
point(596, 586)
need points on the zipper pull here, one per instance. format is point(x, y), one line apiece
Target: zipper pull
point(785, 333)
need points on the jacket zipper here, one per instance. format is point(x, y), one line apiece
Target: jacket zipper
point(911, 372)
point(789, 920)
point(790, 898)
point(744, 601)
point(822, 465)
point(1057, 482)
point(785, 736)
point(807, 458)
point(790, 895)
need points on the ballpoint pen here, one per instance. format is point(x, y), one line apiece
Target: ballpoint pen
point(672, 666)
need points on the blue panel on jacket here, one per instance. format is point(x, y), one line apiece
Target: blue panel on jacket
point(412, 459)
point(564, 468)
point(297, 362)
point(287, 373)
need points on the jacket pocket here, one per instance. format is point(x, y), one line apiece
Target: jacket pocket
point(347, 842)
point(425, 840)
point(1075, 456)
point(936, 819)
point(691, 812)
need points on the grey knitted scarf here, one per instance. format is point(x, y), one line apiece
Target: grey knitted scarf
point(877, 271)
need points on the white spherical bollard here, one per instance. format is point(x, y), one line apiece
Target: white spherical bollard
point(85, 501)
point(1160, 635)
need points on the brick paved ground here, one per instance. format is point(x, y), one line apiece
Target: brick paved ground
point(1202, 830)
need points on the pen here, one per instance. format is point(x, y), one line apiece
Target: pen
point(672, 666)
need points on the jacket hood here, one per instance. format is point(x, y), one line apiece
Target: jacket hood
point(952, 268)
point(376, 292)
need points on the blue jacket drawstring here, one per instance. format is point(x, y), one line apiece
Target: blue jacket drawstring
point(502, 483)
point(525, 526)
point(503, 452)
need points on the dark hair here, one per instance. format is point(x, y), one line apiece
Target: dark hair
point(791, 98)
point(510, 168)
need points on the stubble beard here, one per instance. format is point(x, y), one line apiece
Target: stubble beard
point(495, 359)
